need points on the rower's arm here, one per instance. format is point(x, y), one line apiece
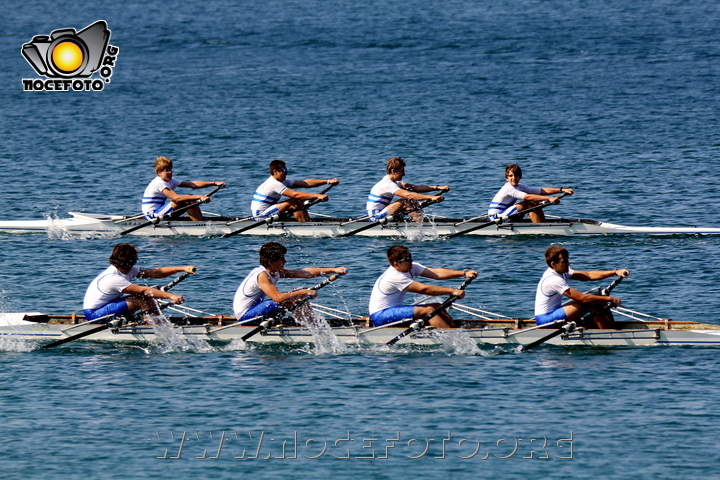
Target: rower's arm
point(312, 272)
point(276, 295)
point(314, 182)
point(424, 188)
point(177, 198)
point(402, 193)
point(554, 191)
point(150, 292)
point(587, 298)
point(432, 290)
point(163, 272)
point(599, 274)
point(301, 195)
point(200, 184)
point(446, 273)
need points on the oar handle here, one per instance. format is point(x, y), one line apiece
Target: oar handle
point(320, 285)
point(177, 280)
point(606, 291)
point(450, 300)
point(310, 203)
point(419, 324)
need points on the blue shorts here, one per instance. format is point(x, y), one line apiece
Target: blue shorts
point(260, 310)
point(504, 213)
point(166, 209)
point(375, 215)
point(558, 314)
point(392, 314)
point(116, 307)
point(263, 214)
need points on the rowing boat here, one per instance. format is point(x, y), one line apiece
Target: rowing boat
point(88, 224)
point(504, 331)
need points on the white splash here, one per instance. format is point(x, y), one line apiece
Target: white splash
point(324, 340)
point(168, 338)
point(56, 228)
point(459, 342)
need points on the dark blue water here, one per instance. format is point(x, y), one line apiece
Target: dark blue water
point(619, 101)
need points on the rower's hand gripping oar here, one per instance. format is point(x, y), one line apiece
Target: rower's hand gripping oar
point(391, 218)
point(501, 220)
point(567, 327)
point(275, 218)
point(417, 325)
point(265, 325)
point(114, 323)
point(177, 212)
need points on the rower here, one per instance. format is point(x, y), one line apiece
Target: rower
point(160, 198)
point(265, 201)
point(553, 285)
point(386, 300)
point(514, 196)
point(113, 293)
point(260, 283)
point(380, 201)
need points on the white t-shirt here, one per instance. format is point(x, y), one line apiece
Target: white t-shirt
point(249, 292)
point(153, 198)
point(508, 196)
point(388, 290)
point(550, 290)
point(382, 193)
point(108, 286)
point(269, 193)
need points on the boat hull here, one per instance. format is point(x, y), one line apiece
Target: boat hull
point(211, 329)
point(112, 225)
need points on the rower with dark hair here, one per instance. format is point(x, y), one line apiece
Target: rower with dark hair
point(553, 286)
point(260, 283)
point(265, 201)
point(112, 292)
point(386, 301)
point(515, 197)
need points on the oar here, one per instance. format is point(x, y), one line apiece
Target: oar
point(419, 324)
point(177, 280)
point(277, 217)
point(184, 209)
point(501, 220)
point(114, 323)
point(268, 323)
point(391, 218)
point(567, 326)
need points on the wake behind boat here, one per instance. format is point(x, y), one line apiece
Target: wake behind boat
point(88, 224)
point(632, 332)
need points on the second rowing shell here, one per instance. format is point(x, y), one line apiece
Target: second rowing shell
point(109, 225)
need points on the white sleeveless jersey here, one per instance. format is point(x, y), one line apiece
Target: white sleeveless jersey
point(249, 292)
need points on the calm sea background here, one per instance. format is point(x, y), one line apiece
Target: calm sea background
point(617, 99)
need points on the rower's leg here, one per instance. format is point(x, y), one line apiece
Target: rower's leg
point(300, 215)
point(441, 320)
point(536, 216)
point(195, 214)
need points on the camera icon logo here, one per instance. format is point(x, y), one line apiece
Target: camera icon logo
point(66, 53)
